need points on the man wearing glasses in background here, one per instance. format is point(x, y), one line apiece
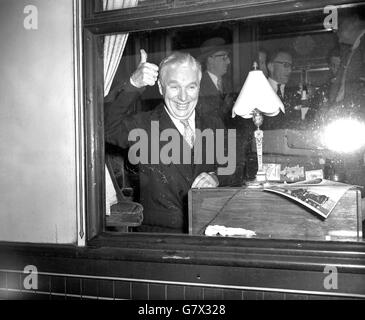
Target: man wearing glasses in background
point(280, 67)
point(214, 85)
point(217, 97)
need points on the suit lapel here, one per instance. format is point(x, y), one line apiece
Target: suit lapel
point(200, 125)
point(184, 170)
point(209, 89)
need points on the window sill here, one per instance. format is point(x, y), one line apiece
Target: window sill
point(252, 265)
point(235, 252)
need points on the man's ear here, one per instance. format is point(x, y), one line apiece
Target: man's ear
point(160, 87)
point(270, 67)
point(208, 62)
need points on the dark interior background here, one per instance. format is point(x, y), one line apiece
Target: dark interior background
point(304, 34)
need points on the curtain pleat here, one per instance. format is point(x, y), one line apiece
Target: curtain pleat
point(113, 51)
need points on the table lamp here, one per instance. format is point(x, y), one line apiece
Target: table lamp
point(257, 98)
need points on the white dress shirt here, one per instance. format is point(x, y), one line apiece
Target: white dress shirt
point(214, 79)
point(274, 85)
point(180, 126)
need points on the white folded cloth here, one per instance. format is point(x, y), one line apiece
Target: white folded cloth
point(226, 231)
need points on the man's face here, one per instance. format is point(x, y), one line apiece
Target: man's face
point(280, 68)
point(218, 63)
point(334, 64)
point(180, 89)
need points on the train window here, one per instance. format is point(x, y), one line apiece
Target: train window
point(306, 62)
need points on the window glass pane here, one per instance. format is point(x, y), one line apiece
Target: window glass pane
point(311, 94)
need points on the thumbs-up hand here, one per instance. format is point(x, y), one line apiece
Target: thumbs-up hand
point(143, 56)
point(146, 73)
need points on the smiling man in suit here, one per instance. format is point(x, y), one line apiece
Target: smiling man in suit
point(164, 186)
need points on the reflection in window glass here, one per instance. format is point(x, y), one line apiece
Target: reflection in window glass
point(107, 5)
point(316, 74)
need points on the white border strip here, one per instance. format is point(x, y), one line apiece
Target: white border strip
point(79, 124)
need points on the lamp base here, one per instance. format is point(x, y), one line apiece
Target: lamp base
point(261, 176)
point(259, 181)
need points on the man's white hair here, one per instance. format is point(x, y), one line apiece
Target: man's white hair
point(179, 58)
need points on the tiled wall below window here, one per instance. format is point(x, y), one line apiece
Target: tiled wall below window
point(65, 287)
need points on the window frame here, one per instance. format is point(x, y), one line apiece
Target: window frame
point(287, 254)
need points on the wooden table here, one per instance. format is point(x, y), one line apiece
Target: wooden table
point(273, 216)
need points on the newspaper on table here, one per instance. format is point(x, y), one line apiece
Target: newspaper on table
point(319, 195)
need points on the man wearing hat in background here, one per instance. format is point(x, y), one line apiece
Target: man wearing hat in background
point(214, 87)
point(217, 97)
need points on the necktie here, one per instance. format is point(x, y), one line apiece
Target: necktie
point(278, 91)
point(188, 133)
point(220, 85)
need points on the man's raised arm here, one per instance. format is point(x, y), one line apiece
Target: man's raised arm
point(145, 75)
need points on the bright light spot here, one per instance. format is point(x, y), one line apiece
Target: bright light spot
point(344, 135)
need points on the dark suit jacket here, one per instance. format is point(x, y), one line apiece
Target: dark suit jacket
point(214, 102)
point(163, 187)
point(354, 105)
point(291, 119)
point(354, 80)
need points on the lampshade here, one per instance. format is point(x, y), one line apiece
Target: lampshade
point(257, 93)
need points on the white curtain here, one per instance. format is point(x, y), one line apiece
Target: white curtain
point(113, 51)
point(114, 45)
